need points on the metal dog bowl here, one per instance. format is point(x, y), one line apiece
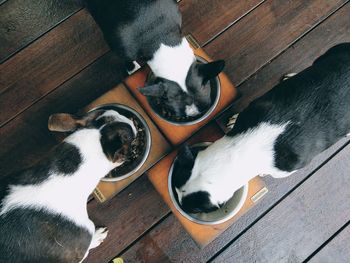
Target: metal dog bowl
point(223, 214)
point(129, 112)
point(214, 94)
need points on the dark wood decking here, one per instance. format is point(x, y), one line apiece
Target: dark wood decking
point(53, 58)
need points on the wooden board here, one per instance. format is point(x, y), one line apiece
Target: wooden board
point(159, 147)
point(27, 136)
point(266, 32)
point(178, 134)
point(220, 14)
point(337, 250)
point(21, 22)
point(127, 216)
point(157, 238)
point(334, 31)
point(47, 63)
point(202, 234)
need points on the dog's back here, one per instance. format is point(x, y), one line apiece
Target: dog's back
point(315, 102)
point(29, 234)
point(134, 28)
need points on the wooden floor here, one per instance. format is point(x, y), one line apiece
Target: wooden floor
point(53, 58)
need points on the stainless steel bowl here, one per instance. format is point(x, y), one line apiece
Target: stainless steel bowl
point(119, 107)
point(230, 209)
point(215, 84)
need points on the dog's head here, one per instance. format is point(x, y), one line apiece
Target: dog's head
point(203, 177)
point(191, 101)
point(191, 190)
point(117, 131)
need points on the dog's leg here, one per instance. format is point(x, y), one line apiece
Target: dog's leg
point(231, 121)
point(283, 174)
point(85, 256)
point(288, 76)
point(100, 235)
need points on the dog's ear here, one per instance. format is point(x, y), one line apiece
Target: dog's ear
point(185, 156)
point(210, 70)
point(156, 90)
point(64, 122)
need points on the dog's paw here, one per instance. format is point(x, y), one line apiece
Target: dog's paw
point(132, 67)
point(231, 121)
point(288, 76)
point(99, 236)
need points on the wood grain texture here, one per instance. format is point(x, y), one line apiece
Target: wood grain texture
point(46, 64)
point(297, 226)
point(337, 250)
point(125, 224)
point(334, 30)
point(26, 138)
point(266, 32)
point(205, 19)
point(21, 22)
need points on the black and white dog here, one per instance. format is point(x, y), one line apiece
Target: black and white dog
point(150, 31)
point(43, 215)
point(276, 134)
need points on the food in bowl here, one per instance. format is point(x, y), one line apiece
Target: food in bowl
point(162, 111)
point(140, 147)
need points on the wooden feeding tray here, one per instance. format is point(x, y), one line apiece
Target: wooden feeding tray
point(202, 234)
point(174, 133)
point(159, 145)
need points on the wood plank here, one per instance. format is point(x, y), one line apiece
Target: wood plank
point(297, 226)
point(21, 22)
point(47, 63)
point(127, 216)
point(266, 32)
point(335, 30)
point(27, 138)
point(337, 250)
point(205, 19)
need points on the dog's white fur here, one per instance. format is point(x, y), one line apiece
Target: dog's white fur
point(67, 195)
point(58, 194)
point(229, 163)
point(173, 63)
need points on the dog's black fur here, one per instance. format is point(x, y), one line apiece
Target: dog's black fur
point(315, 106)
point(30, 235)
point(135, 29)
point(316, 102)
